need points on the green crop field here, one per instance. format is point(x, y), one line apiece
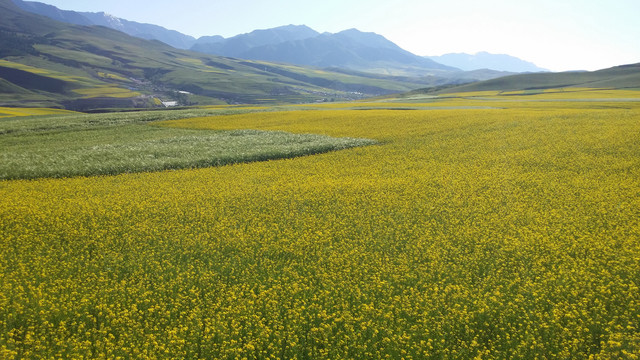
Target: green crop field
point(480, 226)
point(84, 145)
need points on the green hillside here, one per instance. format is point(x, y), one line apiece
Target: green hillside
point(619, 77)
point(47, 63)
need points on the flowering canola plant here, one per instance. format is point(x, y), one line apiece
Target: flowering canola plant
point(465, 233)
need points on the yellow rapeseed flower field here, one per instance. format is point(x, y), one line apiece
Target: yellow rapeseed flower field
point(14, 112)
point(107, 91)
point(507, 232)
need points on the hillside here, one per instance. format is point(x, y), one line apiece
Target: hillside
point(619, 77)
point(48, 63)
point(145, 31)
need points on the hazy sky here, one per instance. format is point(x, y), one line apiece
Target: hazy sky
point(554, 34)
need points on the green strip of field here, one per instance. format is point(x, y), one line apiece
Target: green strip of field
point(86, 145)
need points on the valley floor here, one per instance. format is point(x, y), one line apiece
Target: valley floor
point(487, 226)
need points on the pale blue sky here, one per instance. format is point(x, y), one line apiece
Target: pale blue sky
point(555, 34)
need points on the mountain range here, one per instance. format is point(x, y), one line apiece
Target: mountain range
point(348, 49)
point(301, 45)
point(48, 63)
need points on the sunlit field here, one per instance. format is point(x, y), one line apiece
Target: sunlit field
point(107, 91)
point(15, 112)
point(477, 227)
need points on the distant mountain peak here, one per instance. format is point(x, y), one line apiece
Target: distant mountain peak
point(109, 16)
point(293, 27)
point(114, 21)
point(295, 31)
point(351, 31)
point(356, 32)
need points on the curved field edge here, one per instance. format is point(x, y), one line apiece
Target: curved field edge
point(82, 145)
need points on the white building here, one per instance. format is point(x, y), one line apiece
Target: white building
point(169, 103)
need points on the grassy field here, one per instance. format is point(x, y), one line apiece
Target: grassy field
point(475, 229)
point(87, 145)
point(107, 91)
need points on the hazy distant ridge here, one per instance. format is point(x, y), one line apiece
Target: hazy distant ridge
point(238, 45)
point(485, 60)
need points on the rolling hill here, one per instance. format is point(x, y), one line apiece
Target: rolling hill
point(618, 77)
